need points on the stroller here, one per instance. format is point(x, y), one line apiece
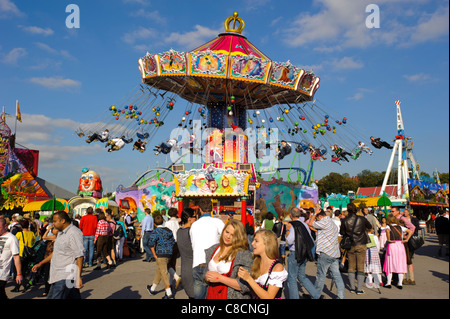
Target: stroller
point(131, 243)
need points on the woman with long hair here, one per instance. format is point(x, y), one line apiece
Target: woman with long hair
point(188, 216)
point(267, 272)
point(224, 261)
point(395, 258)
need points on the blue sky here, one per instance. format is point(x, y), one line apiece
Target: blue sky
point(65, 77)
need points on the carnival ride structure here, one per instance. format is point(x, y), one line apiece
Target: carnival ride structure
point(243, 112)
point(408, 169)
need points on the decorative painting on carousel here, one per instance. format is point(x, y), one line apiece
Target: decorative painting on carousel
point(155, 195)
point(212, 181)
point(249, 67)
point(172, 63)
point(280, 197)
point(208, 63)
point(148, 66)
point(309, 83)
point(284, 74)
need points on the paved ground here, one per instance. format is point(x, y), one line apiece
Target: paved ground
point(129, 279)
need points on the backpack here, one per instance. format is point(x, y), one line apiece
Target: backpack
point(118, 231)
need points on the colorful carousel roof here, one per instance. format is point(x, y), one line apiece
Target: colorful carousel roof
point(226, 66)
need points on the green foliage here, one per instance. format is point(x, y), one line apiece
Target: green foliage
point(342, 183)
point(336, 183)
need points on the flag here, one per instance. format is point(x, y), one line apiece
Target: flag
point(3, 115)
point(18, 115)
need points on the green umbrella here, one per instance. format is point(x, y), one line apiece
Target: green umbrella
point(384, 201)
point(53, 205)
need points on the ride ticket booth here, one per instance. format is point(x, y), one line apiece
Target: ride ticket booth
point(226, 186)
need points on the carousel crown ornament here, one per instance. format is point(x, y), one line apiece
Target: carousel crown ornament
point(235, 18)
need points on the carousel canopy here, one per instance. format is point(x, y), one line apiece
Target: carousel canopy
point(215, 72)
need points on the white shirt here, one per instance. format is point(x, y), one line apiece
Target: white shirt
point(172, 142)
point(222, 267)
point(104, 135)
point(173, 225)
point(276, 278)
point(119, 142)
point(9, 247)
point(204, 233)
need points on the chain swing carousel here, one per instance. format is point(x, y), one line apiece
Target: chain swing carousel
point(244, 114)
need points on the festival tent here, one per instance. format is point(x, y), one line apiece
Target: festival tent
point(48, 205)
point(18, 176)
point(391, 190)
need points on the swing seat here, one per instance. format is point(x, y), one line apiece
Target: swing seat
point(356, 153)
point(142, 136)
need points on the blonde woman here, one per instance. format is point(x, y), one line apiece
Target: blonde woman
point(223, 262)
point(267, 273)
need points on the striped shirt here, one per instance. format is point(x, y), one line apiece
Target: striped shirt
point(327, 237)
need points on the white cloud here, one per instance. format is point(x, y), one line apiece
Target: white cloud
point(432, 26)
point(56, 82)
point(192, 39)
point(52, 155)
point(49, 49)
point(8, 9)
point(185, 41)
point(141, 2)
point(14, 55)
point(40, 128)
point(154, 16)
point(337, 25)
point(37, 30)
point(139, 34)
point(360, 94)
point(356, 97)
point(346, 63)
point(418, 77)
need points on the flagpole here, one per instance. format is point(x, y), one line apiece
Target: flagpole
point(15, 124)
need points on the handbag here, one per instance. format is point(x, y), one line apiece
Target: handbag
point(347, 241)
point(28, 253)
point(415, 242)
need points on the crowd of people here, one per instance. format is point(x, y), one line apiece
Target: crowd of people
point(219, 260)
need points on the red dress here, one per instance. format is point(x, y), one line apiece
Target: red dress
point(218, 290)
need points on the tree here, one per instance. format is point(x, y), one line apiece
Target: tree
point(336, 183)
point(368, 178)
point(444, 178)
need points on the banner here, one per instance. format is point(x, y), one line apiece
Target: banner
point(212, 181)
point(425, 193)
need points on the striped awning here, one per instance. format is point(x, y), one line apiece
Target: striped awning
point(46, 205)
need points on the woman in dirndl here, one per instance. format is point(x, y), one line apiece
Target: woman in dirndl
point(395, 257)
point(224, 261)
